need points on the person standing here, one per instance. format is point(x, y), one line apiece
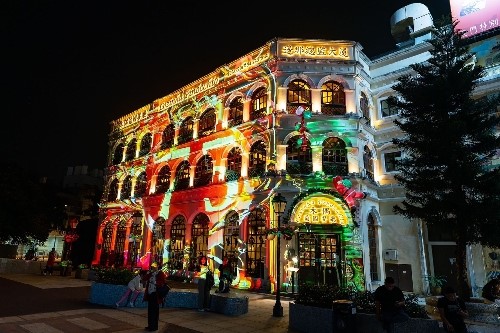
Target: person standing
point(452, 311)
point(389, 304)
point(203, 290)
point(134, 289)
point(154, 279)
point(51, 260)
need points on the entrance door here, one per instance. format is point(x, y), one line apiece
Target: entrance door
point(318, 258)
point(443, 257)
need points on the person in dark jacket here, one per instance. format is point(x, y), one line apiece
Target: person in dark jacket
point(389, 304)
point(452, 311)
point(154, 279)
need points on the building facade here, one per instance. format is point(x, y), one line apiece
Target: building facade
point(197, 171)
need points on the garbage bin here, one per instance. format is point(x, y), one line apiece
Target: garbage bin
point(343, 316)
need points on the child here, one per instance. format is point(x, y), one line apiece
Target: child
point(133, 291)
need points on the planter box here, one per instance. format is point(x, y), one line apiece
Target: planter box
point(82, 273)
point(305, 319)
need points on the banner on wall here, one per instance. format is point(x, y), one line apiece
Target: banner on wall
point(476, 16)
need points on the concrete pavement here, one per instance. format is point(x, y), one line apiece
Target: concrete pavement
point(130, 320)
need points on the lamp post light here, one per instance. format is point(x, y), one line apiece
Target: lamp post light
point(136, 222)
point(279, 204)
point(71, 236)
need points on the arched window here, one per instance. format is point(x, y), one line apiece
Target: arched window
point(199, 235)
point(182, 176)
point(163, 180)
point(257, 161)
point(118, 154)
point(364, 106)
point(206, 124)
point(126, 188)
point(332, 98)
point(177, 242)
point(372, 245)
point(298, 94)
point(259, 104)
point(368, 162)
point(167, 137)
point(256, 244)
point(186, 131)
point(107, 237)
point(113, 190)
point(233, 164)
point(231, 237)
point(145, 144)
point(334, 157)
point(131, 148)
point(235, 116)
point(140, 185)
point(204, 171)
point(118, 259)
point(298, 160)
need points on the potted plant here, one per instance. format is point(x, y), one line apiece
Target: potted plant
point(436, 282)
point(82, 272)
point(66, 268)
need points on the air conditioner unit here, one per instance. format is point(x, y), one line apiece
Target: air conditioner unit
point(391, 254)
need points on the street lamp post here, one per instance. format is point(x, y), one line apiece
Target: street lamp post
point(279, 204)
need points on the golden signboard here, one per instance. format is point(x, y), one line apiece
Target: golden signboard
point(315, 49)
point(321, 209)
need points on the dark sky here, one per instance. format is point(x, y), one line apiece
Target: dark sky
point(71, 67)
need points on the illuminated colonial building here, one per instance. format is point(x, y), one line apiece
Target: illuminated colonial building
point(199, 168)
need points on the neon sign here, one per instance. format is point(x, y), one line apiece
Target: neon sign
point(320, 210)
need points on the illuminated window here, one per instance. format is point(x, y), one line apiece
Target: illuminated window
point(199, 235)
point(163, 180)
point(204, 171)
point(234, 159)
point(334, 157)
point(121, 233)
point(257, 159)
point(145, 145)
point(390, 160)
point(126, 188)
point(372, 244)
point(332, 99)
point(182, 176)
point(387, 110)
point(113, 190)
point(206, 124)
point(235, 116)
point(186, 131)
point(298, 160)
point(167, 138)
point(131, 147)
point(140, 185)
point(107, 237)
point(256, 243)
point(298, 94)
point(259, 104)
point(118, 154)
point(364, 106)
point(177, 242)
point(368, 162)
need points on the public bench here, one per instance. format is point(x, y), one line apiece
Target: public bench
point(231, 304)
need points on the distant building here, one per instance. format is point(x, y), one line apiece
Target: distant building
point(196, 171)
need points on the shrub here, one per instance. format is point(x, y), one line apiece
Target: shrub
point(109, 275)
point(323, 296)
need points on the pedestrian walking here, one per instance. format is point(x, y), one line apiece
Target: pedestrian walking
point(154, 279)
point(134, 289)
point(51, 260)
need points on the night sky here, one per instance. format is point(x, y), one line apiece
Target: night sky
point(71, 67)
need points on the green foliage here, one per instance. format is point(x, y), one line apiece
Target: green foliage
point(109, 275)
point(436, 280)
point(323, 296)
point(448, 142)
